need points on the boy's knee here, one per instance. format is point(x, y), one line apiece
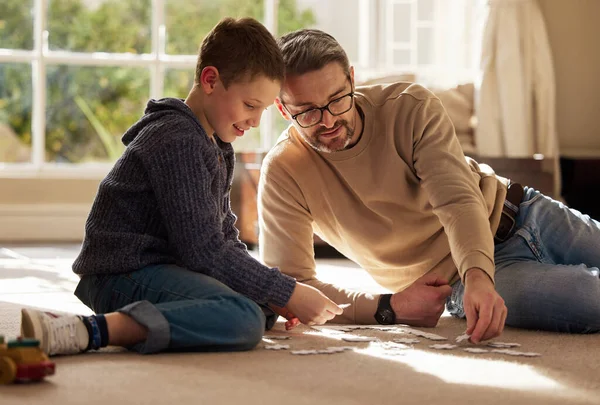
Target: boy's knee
point(249, 322)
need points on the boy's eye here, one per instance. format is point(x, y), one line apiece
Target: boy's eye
point(250, 106)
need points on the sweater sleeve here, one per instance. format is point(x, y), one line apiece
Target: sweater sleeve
point(452, 188)
point(180, 175)
point(286, 241)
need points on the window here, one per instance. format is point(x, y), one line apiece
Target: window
point(75, 74)
point(437, 40)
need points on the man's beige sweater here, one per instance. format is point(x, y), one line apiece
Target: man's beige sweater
point(402, 202)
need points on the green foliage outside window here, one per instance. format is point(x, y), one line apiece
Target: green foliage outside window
point(88, 107)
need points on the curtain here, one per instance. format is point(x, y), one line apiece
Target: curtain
point(516, 100)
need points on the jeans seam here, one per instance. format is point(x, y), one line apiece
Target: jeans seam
point(532, 238)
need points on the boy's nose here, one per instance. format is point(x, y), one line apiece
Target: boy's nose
point(254, 121)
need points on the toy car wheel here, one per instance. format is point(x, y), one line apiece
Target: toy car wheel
point(8, 370)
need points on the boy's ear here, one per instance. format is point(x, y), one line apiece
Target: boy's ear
point(282, 110)
point(209, 78)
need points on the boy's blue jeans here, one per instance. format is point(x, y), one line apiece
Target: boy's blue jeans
point(182, 310)
point(547, 272)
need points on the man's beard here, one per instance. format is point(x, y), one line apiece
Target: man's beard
point(341, 142)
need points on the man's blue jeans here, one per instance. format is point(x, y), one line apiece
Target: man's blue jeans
point(547, 272)
point(182, 310)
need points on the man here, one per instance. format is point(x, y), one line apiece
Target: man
point(378, 173)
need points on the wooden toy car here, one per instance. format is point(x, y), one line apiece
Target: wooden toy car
point(22, 360)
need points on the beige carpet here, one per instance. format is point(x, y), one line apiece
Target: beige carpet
point(568, 372)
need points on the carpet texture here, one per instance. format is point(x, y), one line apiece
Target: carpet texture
point(568, 372)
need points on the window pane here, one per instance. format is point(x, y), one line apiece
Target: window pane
point(336, 17)
point(425, 45)
point(89, 108)
point(402, 24)
point(100, 25)
point(188, 22)
point(402, 57)
point(425, 10)
point(15, 113)
point(178, 82)
point(16, 24)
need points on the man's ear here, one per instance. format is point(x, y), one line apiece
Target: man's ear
point(282, 110)
point(209, 78)
point(352, 76)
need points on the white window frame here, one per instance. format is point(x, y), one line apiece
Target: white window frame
point(41, 56)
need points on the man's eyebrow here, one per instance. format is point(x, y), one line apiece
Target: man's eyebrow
point(332, 95)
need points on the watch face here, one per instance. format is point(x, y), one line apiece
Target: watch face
point(386, 317)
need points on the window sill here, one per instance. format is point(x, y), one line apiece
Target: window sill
point(94, 171)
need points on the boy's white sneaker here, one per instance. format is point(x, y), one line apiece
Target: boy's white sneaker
point(58, 334)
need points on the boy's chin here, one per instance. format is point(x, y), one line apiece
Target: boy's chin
point(228, 138)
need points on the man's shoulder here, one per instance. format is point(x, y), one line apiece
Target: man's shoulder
point(288, 152)
point(381, 94)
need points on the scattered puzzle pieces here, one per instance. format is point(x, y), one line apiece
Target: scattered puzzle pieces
point(515, 353)
point(426, 335)
point(304, 352)
point(475, 350)
point(328, 350)
point(276, 337)
point(407, 341)
point(463, 337)
point(503, 345)
point(445, 346)
point(277, 347)
point(353, 338)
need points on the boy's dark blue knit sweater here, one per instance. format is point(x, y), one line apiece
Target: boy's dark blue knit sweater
point(166, 200)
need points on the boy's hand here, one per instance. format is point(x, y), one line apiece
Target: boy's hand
point(484, 308)
point(292, 320)
point(311, 306)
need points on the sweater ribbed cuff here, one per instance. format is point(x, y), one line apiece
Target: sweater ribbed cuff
point(480, 261)
point(282, 290)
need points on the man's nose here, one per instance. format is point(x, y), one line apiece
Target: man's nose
point(328, 119)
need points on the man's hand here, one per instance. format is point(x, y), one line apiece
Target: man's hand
point(423, 302)
point(484, 308)
point(311, 306)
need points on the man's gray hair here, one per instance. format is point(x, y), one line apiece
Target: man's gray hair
point(307, 50)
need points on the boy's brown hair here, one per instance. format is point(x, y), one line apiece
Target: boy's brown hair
point(241, 50)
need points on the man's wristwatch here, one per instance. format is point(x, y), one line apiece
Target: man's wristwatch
point(385, 315)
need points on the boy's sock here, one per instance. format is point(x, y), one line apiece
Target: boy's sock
point(97, 331)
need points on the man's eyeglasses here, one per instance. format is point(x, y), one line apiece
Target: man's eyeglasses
point(313, 116)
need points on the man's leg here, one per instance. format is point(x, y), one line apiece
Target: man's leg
point(547, 273)
point(178, 309)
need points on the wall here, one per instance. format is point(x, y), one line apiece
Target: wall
point(573, 29)
point(44, 209)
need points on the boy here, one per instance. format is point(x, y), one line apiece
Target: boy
point(161, 257)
